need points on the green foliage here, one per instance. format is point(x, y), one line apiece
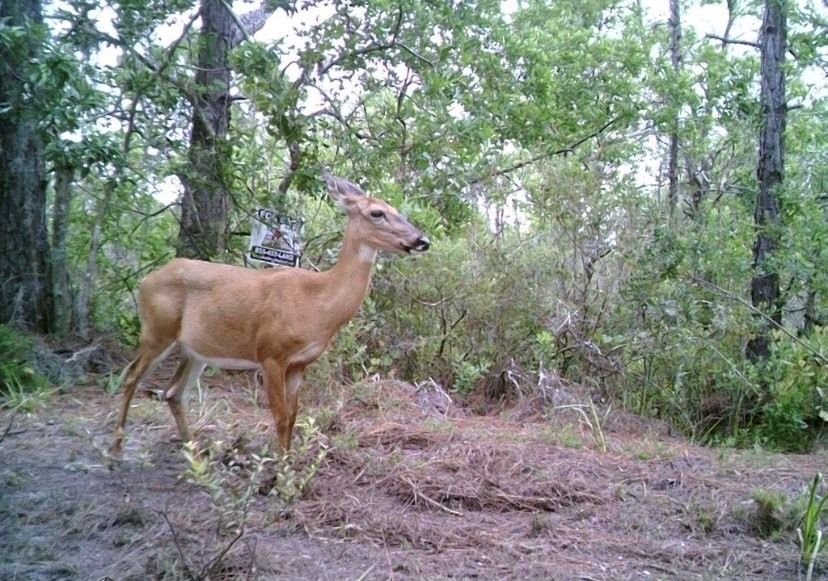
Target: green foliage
point(461, 320)
point(457, 314)
point(797, 403)
point(21, 386)
point(810, 533)
point(683, 350)
point(775, 513)
point(234, 476)
point(526, 143)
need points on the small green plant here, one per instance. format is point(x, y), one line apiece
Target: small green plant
point(230, 493)
point(467, 375)
point(199, 468)
point(593, 421)
point(702, 517)
point(774, 513)
point(112, 383)
point(293, 476)
point(234, 476)
point(811, 540)
point(563, 435)
point(21, 386)
point(21, 396)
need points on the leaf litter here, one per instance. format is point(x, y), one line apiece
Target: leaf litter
point(408, 488)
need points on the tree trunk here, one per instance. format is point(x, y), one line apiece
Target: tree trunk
point(64, 176)
point(764, 287)
point(675, 58)
point(25, 272)
point(90, 271)
point(206, 202)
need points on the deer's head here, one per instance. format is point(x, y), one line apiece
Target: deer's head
point(378, 223)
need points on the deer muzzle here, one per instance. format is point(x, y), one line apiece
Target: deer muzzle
point(421, 244)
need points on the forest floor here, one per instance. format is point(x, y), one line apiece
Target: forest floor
point(406, 485)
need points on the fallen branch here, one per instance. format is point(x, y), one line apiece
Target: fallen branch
point(418, 494)
point(205, 573)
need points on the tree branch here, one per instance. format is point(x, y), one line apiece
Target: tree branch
point(725, 40)
point(254, 21)
point(177, 544)
point(374, 46)
point(754, 310)
point(9, 427)
point(568, 149)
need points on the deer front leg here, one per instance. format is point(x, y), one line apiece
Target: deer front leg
point(274, 382)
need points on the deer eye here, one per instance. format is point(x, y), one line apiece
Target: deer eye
point(377, 214)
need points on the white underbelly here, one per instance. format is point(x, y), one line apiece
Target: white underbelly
point(222, 362)
point(308, 355)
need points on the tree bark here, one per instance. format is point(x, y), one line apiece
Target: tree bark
point(770, 173)
point(206, 202)
point(25, 271)
point(207, 199)
point(64, 175)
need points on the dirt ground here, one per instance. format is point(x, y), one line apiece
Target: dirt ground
point(406, 485)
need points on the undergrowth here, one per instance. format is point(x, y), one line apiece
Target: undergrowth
point(235, 476)
point(21, 386)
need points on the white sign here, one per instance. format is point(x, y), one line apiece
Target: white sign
point(275, 239)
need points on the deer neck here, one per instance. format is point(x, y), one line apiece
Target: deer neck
point(349, 280)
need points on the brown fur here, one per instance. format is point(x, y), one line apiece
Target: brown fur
point(279, 319)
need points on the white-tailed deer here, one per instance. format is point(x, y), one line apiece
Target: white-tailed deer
point(278, 320)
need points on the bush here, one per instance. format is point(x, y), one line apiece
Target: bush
point(796, 407)
point(465, 314)
point(18, 376)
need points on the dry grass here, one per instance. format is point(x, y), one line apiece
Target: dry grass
point(413, 486)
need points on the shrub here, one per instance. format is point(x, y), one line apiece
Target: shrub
point(19, 379)
point(463, 314)
point(796, 407)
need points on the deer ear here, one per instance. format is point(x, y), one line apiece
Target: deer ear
point(342, 190)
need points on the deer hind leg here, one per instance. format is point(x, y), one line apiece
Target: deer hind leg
point(274, 380)
point(188, 372)
point(292, 384)
point(147, 359)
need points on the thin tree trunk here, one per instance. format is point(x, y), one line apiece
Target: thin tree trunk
point(675, 58)
point(810, 320)
point(25, 265)
point(764, 287)
point(90, 271)
point(64, 175)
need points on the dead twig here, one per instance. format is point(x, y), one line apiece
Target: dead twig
point(417, 494)
point(205, 572)
point(178, 548)
point(9, 427)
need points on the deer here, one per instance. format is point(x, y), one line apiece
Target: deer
point(277, 320)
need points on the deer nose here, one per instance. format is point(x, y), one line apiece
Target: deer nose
point(422, 244)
